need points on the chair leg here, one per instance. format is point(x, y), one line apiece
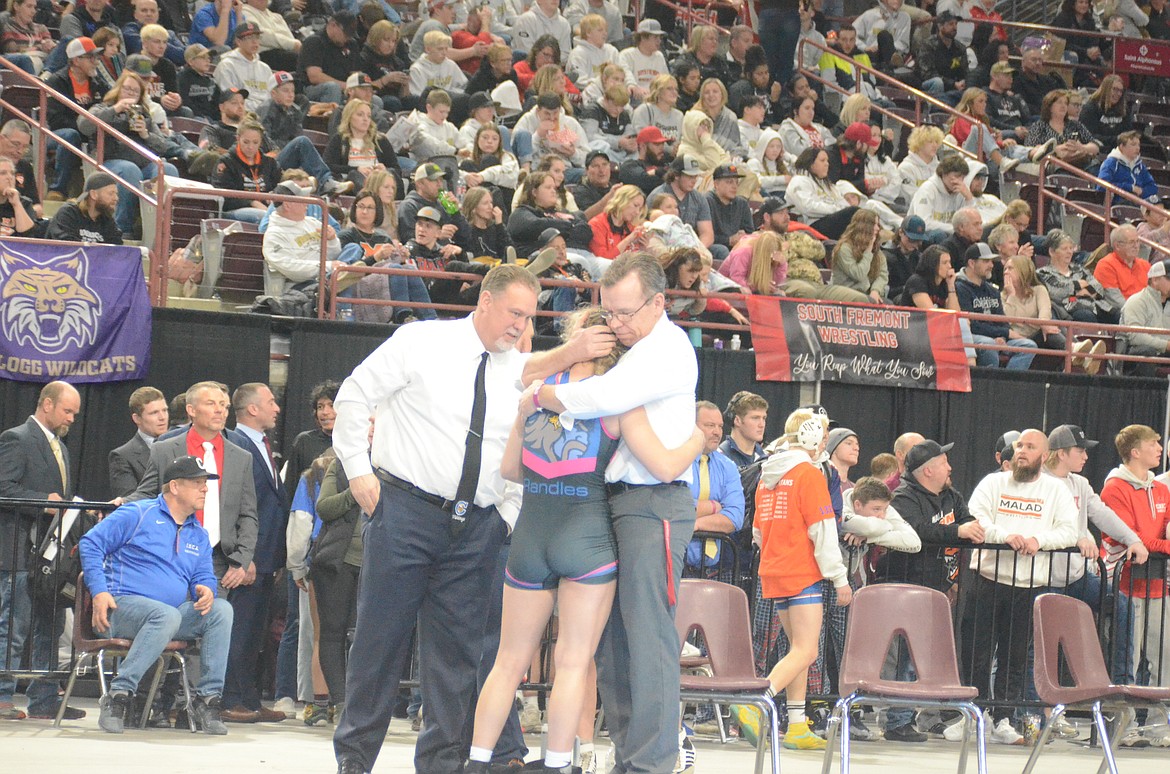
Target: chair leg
point(831, 730)
point(976, 714)
point(160, 668)
point(1111, 737)
point(845, 731)
point(1038, 748)
point(182, 659)
point(768, 707)
point(78, 665)
point(101, 670)
point(719, 723)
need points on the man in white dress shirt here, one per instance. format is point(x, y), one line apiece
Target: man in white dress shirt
point(431, 544)
point(638, 655)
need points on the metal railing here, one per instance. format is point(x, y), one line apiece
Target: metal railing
point(42, 131)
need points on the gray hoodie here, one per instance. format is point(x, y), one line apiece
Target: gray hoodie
point(1090, 507)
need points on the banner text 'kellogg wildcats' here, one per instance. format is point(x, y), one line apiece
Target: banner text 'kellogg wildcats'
point(79, 314)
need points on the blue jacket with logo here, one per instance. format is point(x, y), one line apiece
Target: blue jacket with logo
point(139, 550)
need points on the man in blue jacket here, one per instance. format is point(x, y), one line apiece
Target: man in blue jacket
point(148, 566)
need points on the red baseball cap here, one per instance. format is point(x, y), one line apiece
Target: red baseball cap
point(651, 134)
point(859, 132)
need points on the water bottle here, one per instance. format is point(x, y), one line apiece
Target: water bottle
point(736, 342)
point(696, 335)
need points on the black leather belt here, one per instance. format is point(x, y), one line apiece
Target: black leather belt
point(411, 489)
point(621, 487)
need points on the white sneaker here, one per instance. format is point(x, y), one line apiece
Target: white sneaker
point(530, 716)
point(1005, 733)
point(1132, 737)
point(1158, 735)
point(588, 762)
point(1064, 729)
point(686, 757)
point(954, 732)
point(287, 706)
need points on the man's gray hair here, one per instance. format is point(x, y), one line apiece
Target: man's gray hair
point(194, 390)
point(965, 217)
point(1128, 232)
point(502, 277)
point(14, 126)
point(706, 404)
point(647, 268)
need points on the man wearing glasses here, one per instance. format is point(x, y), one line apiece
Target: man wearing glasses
point(652, 520)
point(1122, 273)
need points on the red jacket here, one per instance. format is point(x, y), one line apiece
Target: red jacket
point(1147, 511)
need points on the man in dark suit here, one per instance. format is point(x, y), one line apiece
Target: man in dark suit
point(256, 413)
point(149, 413)
point(233, 534)
point(34, 465)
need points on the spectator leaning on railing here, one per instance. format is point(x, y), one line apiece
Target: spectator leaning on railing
point(1033, 514)
point(1121, 273)
point(1147, 309)
point(292, 244)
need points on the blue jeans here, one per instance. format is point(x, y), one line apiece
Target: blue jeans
point(287, 653)
point(326, 92)
point(522, 146)
point(989, 358)
point(24, 62)
point(16, 618)
point(402, 288)
point(66, 163)
point(300, 154)
point(56, 59)
point(779, 34)
point(127, 212)
point(151, 625)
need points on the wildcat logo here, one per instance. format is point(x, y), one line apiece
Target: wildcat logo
point(48, 305)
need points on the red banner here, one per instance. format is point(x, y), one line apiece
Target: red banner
point(798, 340)
point(1141, 57)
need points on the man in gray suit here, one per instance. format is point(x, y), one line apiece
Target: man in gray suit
point(233, 533)
point(149, 413)
point(34, 465)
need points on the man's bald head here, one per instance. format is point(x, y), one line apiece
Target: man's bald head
point(1030, 450)
point(904, 443)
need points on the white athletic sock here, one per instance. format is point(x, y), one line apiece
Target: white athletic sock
point(796, 715)
point(557, 760)
point(480, 754)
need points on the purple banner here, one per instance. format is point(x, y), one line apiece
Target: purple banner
point(77, 313)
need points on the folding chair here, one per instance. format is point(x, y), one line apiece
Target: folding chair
point(1063, 624)
point(880, 614)
point(719, 612)
point(87, 644)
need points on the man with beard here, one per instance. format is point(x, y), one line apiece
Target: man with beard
point(942, 62)
point(34, 465)
point(648, 170)
point(1033, 514)
point(90, 218)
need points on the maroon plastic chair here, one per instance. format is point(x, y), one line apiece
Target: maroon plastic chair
point(921, 615)
point(88, 644)
point(719, 612)
point(1065, 624)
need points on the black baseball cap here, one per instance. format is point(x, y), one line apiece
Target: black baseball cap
point(774, 204)
point(480, 99)
point(226, 94)
point(187, 467)
point(594, 155)
point(922, 453)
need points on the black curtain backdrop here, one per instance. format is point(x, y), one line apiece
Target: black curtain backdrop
point(186, 347)
point(191, 346)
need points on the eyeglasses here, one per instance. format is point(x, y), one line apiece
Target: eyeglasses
point(623, 317)
point(365, 207)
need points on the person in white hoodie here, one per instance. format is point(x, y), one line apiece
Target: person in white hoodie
point(990, 207)
point(292, 244)
point(770, 163)
point(242, 68)
point(543, 18)
point(278, 45)
point(436, 136)
point(644, 61)
point(940, 197)
point(796, 530)
point(921, 160)
point(1034, 515)
point(867, 519)
point(435, 69)
point(591, 52)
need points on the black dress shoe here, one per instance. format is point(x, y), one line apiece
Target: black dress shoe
point(350, 766)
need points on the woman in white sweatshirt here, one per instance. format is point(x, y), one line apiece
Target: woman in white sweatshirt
point(771, 164)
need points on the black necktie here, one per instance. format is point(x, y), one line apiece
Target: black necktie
point(469, 479)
